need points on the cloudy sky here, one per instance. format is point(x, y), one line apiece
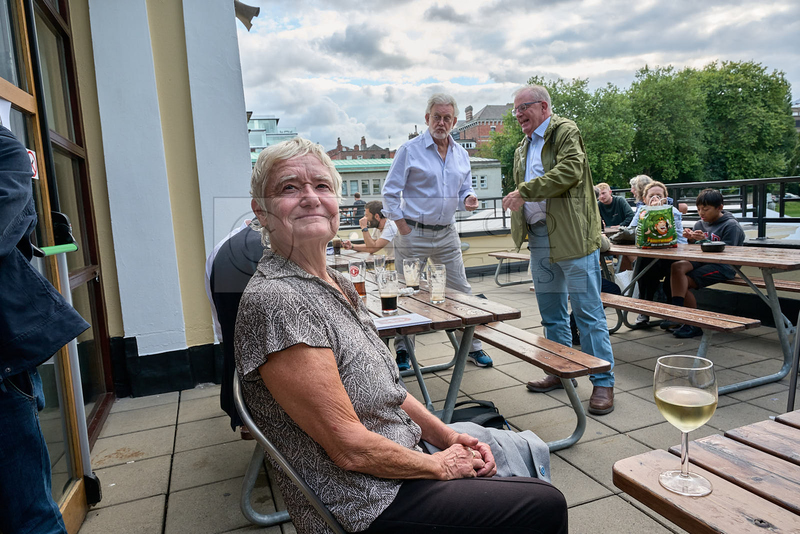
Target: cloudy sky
point(341, 68)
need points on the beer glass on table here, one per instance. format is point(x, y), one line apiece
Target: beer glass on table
point(337, 245)
point(437, 281)
point(380, 262)
point(685, 390)
point(358, 273)
point(411, 273)
point(388, 289)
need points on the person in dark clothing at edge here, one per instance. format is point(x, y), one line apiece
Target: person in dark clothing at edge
point(35, 322)
point(715, 224)
point(614, 210)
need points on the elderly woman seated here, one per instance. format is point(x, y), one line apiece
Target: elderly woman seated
point(324, 388)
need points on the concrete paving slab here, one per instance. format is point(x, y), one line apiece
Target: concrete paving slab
point(203, 433)
point(629, 376)
point(200, 391)
point(486, 380)
point(521, 371)
point(559, 423)
point(137, 446)
point(771, 365)
point(739, 414)
point(669, 525)
point(213, 508)
point(196, 409)
point(575, 485)
point(517, 400)
point(671, 344)
point(526, 322)
point(775, 403)
point(584, 391)
point(756, 345)
point(499, 357)
point(597, 457)
point(136, 403)
point(210, 464)
point(144, 516)
point(630, 412)
point(760, 391)
point(664, 435)
point(612, 515)
point(134, 481)
point(437, 387)
point(632, 351)
point(129, 421)
point(729, 376)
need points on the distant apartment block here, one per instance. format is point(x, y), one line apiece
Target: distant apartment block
point(264, 132)
point(361, 151)
point(475, 131)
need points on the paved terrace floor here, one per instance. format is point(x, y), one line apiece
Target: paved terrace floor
point(171, 464)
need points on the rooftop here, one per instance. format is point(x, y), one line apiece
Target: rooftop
point(171, 464)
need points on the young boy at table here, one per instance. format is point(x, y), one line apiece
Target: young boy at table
point(715, 224)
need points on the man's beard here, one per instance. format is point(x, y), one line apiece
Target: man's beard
point(439, 135)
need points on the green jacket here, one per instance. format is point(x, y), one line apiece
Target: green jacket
point(573, 220)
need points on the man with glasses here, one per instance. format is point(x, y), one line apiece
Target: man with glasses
point(430, 178)
point(554, 206)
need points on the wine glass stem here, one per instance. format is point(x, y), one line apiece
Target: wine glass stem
point(684, 454)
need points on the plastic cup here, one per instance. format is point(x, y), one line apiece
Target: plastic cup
point(437, 280)
point(411, 273)
point(388, 290)
point(358, 272)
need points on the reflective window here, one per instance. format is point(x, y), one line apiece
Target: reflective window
point(89, 355)
point(54, 79)
point(353, 187)
point(376, 187)
point(10, 68)
point(71, 205)
point(344, 188)
point(365, 187)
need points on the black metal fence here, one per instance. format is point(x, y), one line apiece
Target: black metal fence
point(749, 199)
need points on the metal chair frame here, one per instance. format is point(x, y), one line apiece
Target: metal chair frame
point(253, 469)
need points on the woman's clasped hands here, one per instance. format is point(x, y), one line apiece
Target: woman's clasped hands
point(467, 458)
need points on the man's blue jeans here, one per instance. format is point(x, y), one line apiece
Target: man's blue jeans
point(576, 281)
point(26, 503)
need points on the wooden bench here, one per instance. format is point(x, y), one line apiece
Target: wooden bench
point(710, 322)
point(514, 256)
point(553, 358)
point(792, 286)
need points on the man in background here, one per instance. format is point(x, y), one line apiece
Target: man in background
point(373, 218)
point(359, 204)
point(430, 178)
point(614, 210)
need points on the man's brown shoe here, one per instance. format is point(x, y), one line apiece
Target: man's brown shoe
point(602, 400)
point(548, 383)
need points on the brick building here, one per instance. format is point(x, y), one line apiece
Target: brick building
point(361, 151)
point(474, 132)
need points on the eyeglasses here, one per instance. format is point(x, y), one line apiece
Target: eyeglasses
point(447, 119)
point(524, 106)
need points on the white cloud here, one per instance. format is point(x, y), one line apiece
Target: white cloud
point(334, 68)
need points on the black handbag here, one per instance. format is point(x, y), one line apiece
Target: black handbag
point(480, 412)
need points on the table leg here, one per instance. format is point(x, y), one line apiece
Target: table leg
point(458, 373)
point(504, 284)
point(783, 336)
point(418, 373)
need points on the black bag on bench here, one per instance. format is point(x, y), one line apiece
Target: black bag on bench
point(480, 412)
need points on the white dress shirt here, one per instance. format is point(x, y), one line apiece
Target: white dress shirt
point(535, 211)
point(422, 187)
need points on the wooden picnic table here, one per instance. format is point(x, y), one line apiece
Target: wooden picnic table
point(769, 260)
point(458, 311)
point(754, 472)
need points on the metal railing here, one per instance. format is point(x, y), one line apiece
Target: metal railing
point(749, 199)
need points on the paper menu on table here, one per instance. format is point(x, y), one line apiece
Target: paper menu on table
point(397, 321)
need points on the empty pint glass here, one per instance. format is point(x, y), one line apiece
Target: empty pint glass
point(388, 289)
point(437, 280)
point(380, 262)
point(411, 273)
point(358, 273)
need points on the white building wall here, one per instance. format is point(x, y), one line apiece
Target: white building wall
point(219, 116)
point(136, 170)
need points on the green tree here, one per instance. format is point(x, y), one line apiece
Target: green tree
point(502, 145)
point(668, 111)
point(749, 130)
point(608, 133)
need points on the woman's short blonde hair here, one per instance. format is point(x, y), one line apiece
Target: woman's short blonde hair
point(652, 185)
point(638, 184)
point(275, 154)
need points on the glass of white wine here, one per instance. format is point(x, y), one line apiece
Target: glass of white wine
point(685, 389)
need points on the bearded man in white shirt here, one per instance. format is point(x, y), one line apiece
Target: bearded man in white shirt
point(429, 180)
